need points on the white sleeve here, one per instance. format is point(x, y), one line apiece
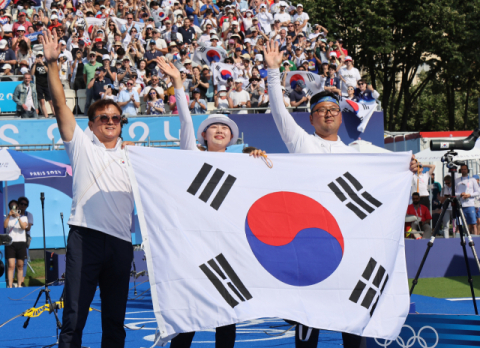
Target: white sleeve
point(289, 130)
point(476, 189)
point(375, 94)
point(187, 132)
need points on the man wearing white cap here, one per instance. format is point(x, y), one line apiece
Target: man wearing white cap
point(22, 21)
point(326, 118)
point(283, 16)
point(54, 22)
point(265, 18)
point(301, 17)
point(64, 51)
point(240, 98)
point(7, 56)
point(216, 133)
point(349, 75)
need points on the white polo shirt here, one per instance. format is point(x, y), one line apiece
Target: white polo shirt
point(102, 194)
point(422, 183)
point(14, 229)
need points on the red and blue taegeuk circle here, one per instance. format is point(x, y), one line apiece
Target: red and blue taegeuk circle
point(353, 105)
point(295, 238)
point(213, 56)
point(226, 74)
point(294, 79)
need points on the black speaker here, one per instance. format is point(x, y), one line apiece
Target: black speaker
point(55, 266)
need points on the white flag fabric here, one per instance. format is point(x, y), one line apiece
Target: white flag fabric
point(207, 55)
point(222, 72)
point(228, 239)
point(363, 110)
point(314, 83)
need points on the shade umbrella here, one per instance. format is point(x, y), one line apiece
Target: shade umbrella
point(367, 147)
point(14, 163)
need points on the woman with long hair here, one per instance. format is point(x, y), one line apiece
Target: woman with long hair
point(155, 105)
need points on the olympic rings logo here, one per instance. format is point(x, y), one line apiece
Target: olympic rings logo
point(411, 341)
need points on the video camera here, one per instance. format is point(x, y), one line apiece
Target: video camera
point(462, 144)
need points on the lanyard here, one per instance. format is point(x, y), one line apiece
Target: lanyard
point(416, 212)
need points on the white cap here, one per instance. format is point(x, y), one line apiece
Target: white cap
point(24, 70)
point(21, 27)
point(259, 57)
point(299, 5)
point(333, 54)
point(217, 118)
point(263, 5)
point(62, 42)
point(238, 81)
point(348, 58)
point(54, 17)
point(149, 26)
point(106, 57)
point(62, 56)
point(3, 44)
point(234, 23)
point(286, 62)
point(222, 88)
point(283, 4)
point(7, 66)
point(214, 37)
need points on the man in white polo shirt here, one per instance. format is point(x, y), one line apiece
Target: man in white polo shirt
point(99, 244)
point(422, 181)
point(326, 118)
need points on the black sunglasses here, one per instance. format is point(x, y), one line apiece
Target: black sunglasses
point(105, 119)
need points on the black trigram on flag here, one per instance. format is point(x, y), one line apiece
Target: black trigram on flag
point(367, 203)
point(226, 276)
point(310, 77)
point(211, 185)
point(374, 290)
point(202, 49)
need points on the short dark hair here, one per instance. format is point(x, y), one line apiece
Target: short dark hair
point(322, 94)
point(20, 199)
point(100, 105)
point(361, 81)
point(11, 202)
point(415, 194)
point(332, 66)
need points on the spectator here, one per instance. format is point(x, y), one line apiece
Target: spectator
point(240, 98)
point(155, 105)
point(423, 214)
point(25, 96)
point(16, 226)
point(283, 16)
point(64, 71)
point(76, 71)
point(89, 71)
point(197, 105)
point(127, 27)
point(40, 71)
point(7, 56)
point(128, 99)
point(349, 75)
point(109, 93)
point(110, 71)
point(22, 22)
point(255, 91)
point(445, 193)
point(422, 181)
point(298, 98)
point(366, 92)
point(187, 31)
point(351, 93)
point(151, 55)
point(97, 84)
point(301, 17)
point(154, 85)
point(172, 103)
point(466, 188)
point(266, 19)
point(222, 99)
point(332, 83)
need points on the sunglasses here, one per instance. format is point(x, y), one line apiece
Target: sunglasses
point(152, 93)
point(361, 84)
point(129, 84)
point(24, 204)
point(106, 119)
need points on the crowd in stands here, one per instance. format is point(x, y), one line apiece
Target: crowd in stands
point(109, 49)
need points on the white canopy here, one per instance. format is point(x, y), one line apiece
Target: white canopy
point(434, 156)
point(367, 147)
point(9, 169)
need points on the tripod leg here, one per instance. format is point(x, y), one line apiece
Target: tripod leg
point(471, 243)
point(462, 242)
point(34, 305)
point(430, 244)
point(54, 310)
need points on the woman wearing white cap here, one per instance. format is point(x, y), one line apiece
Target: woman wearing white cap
point(216, 133)
point(20, 37)
point(222, 101)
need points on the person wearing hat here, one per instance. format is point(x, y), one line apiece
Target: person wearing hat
point(197, 105)
point(282, 15)
point(54, 22)
point(216, 133)
point(339, 50)
point(64, 71)
point(221, 98)
point(265, 19)
point(302, 17)
point(98, 49)
point(349, 75)
point(7, 56)
point(161, 45)
point(255, 91)
point(239, 97)
point(151, 55)
point(21, 22)
point(110, 71)
point(25, 96)
point(40, 71)
point(98, 84)
point(76, 71)
point(89, 71)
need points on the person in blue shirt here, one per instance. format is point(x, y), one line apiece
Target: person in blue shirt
point(366, 92)
point(197, 105)
point(128, 99)
point(193, 12)
point(313, 62)
point(332, 83)
point(211, 6)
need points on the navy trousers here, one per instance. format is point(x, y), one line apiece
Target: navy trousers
point(95, 258)
point(224, 338)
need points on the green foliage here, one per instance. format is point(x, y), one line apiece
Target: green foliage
point(392, 41)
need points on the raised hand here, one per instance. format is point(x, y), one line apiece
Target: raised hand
point(170, 70)
point(51, 48)
point(273, 56)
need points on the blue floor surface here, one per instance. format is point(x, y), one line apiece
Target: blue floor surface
point(255, 333)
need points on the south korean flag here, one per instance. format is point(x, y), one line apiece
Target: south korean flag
point(207, 55)
point(229, 239)
point(222, 72)
point(314, 83)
